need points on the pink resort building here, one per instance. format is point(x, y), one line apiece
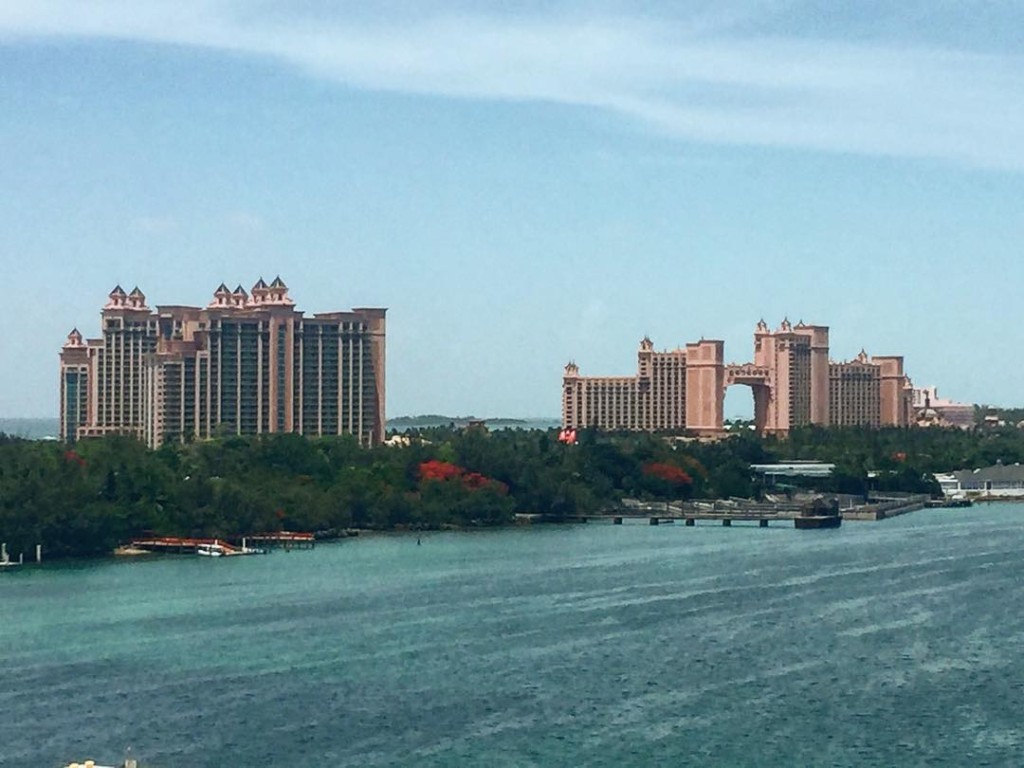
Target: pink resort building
point(246, 363)
point(794, 383)
point(933, 410)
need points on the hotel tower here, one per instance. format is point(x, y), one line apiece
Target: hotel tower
point(791, 377)
point(247, 363)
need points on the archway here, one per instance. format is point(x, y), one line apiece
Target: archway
point(758, 379)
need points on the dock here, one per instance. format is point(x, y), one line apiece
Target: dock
point(229, 546)
point(819, 513)
point(188, 545)
point(724, 513)
point(884, 507)
point(284, 539)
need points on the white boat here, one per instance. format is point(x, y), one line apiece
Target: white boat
point(129, 762)
point(210, 550)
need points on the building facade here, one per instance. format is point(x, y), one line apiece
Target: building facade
point(855, 393)
point(247, 363)
point(669, 391)
point(792, 379)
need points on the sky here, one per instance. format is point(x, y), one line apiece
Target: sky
point(524, 184)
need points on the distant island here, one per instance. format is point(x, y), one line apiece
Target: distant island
point(30, 429)
point(426, 421)
point(42, 429)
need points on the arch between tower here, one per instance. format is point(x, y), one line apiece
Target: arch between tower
point(758, 378)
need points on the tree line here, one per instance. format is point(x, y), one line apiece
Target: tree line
point(86, 498)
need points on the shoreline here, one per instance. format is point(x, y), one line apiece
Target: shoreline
point(127, 553)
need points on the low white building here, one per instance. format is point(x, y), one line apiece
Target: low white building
point(997, 481)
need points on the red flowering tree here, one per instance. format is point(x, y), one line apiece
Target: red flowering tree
point(666, 480)
point(667, 472)
point(72, 457)
point(439, 470)
point(448, 491)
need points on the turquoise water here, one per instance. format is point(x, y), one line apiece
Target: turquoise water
point(891, 643)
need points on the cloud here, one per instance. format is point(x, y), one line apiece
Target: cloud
point(702, 77)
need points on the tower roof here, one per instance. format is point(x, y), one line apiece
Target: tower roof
point(74, 339)
point(278, 283)
point(260, 285)
point(118, 291)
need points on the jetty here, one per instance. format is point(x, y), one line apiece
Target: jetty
point(284, 539)
point(819, 512)
point(187, 545)
point(724, 512)
point(231, 546)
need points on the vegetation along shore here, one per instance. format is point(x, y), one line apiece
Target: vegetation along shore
point(88, 498)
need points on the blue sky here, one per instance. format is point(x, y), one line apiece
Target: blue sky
point(523, 183)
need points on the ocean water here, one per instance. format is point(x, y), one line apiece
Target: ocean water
point(890, 643)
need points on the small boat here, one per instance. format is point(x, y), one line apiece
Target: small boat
point(129, 762)
point(210, 550)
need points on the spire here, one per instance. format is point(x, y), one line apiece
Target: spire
point(278, 293)
point(116, 298)
point(260, 292)
point(74, 339)
point(239, 297)
point(221, 297)
point(137, 299)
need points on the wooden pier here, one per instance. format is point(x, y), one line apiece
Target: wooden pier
point(659, 515)
point(818, 513)
point(284, 539)
point(233, 545)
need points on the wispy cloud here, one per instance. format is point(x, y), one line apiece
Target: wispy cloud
point(702, 77)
